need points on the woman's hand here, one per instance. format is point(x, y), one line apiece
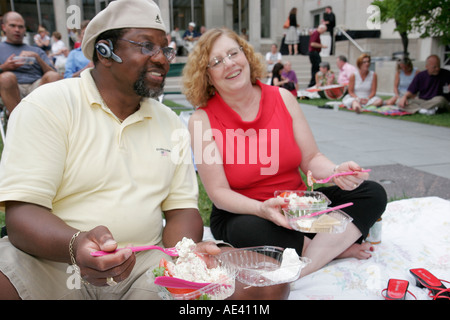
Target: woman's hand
point(271, 210)
point(363, 101)
point(350, 182)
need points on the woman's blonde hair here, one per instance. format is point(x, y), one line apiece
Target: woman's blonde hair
point(196, 85)
point(360, 59)
point(407, 62)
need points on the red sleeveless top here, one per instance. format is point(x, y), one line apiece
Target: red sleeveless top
point(259, 156)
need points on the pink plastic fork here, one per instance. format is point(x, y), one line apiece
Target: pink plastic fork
point(170, 251)
point(345, 205)
point(338, 175)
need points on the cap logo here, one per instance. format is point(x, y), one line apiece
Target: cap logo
point(158, 19)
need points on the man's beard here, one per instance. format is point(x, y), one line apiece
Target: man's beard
point(143, 90)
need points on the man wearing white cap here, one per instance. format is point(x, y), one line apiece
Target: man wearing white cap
point(92, 163)
point(190, 37)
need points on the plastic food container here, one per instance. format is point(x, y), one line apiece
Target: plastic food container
point(25, 60)
point(264, 266)
point(219, 290)
point(331, 222)
point(303, 203)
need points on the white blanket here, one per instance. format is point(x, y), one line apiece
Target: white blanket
point(415, 234)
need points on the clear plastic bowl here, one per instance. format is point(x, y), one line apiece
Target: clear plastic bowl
point(219, 290)
point(298, 206)
point(262, 266)
point(331, 222)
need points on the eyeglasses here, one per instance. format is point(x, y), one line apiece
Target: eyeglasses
point(217, 61)
point(150, 49)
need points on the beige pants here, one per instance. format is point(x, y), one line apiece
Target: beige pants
point(415, 105)
point(39, 279)
point(25, 89)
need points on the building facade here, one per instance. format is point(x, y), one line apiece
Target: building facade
point(262, 19)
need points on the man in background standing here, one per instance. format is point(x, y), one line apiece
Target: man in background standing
point(315, 46)
point(329, 19)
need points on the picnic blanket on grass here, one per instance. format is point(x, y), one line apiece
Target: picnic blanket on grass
point(385, 110)
point(415, 234)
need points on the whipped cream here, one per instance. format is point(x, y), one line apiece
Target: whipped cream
point(289, 268)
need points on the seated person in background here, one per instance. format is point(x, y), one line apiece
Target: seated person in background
point(325, 77)
point(19, 77)
point(362, 88)
point(190, 37)
point(76, 61)
point(173, 45)
point(273, 57)
point(403, 77)
point(290, 74)
point(176, 36)
point(240, 183)
point(42, 40)
point(345, 70)
point(59, 52)
point(432, 86)
point(279, 80)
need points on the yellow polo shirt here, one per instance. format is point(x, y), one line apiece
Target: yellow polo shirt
point(67, 151)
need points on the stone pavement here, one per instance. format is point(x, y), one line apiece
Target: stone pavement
point(409, 159)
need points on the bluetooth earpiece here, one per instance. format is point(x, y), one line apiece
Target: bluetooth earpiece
point(107, 51)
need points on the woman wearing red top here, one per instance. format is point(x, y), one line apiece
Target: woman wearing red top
point(249, 140)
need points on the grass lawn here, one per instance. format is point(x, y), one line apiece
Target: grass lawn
point(440, 119)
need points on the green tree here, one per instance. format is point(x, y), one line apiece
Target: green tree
point(433, 19)
point(427, 17)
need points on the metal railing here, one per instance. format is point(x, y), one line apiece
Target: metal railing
point(340, 29)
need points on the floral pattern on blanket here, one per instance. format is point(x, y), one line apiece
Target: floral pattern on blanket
point(415, 234)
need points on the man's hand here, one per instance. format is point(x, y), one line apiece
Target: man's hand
point(12, 63)
point(96, 270)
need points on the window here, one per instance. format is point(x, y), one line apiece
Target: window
point(265, 18)
point(240, 15)
point(185, 11)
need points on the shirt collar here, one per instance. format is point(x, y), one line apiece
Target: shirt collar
point(95, 99)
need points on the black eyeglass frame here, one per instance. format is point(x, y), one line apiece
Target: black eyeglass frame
point(168, 52)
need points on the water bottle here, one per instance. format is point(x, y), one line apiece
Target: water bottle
point(374, 236)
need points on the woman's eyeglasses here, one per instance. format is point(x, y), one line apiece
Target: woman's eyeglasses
point(151, 49)
point(218, 61)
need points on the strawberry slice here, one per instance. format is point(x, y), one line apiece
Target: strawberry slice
point(168, 271)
